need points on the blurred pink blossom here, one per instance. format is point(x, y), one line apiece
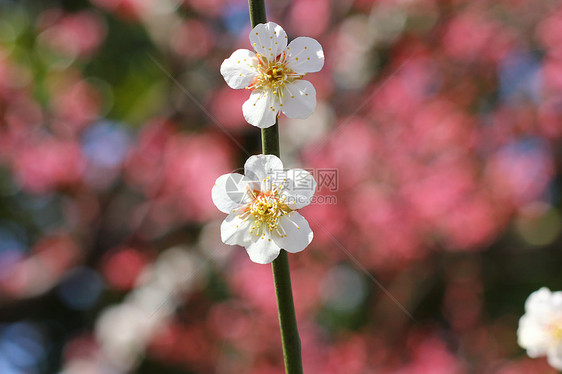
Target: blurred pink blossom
point(127, 9)
point(310, 17)
point(430, 355)
point(42, 166)
point(122, 266)
point(192, 39)
point(472, 37)
point(74, 34)
point(549, 33)
point(76, 104)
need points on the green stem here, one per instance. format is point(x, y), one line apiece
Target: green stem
point(257, 12)
point(270, 140)
point(281, 275)
point(287, 320)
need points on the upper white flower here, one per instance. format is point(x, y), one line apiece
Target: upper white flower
point(262, 208)
point(540, 328)
point(274, 74)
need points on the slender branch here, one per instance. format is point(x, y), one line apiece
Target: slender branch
point(257, 12)
point(270, 140)
point(287, 319)
point(281, 275)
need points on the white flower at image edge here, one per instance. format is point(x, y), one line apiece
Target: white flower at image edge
point(274, 73)
point(262, 208)
point(540, 328)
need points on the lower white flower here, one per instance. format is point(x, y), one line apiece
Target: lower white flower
point(540, 328)
point(262, 208)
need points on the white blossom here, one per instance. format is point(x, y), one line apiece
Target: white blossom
point(540, 328)
point(123, 331)
point(274, 73)
point(262, 208)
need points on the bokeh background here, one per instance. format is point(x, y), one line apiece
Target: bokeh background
point(442, 118)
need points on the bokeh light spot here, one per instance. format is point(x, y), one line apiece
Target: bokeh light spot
point(122, 268)
point(81, 288)
point(343, 289)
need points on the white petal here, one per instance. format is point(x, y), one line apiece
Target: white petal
point(263, 250)
point(299, 188)
point(260, 167)
point(539, 302)
point(231, 191)
point(305, 55)
point(556, 300)
point(297, 231)
point(261, 109)
point(239, 70)
point(532, 336)
point(268, 39)
point(299, 99)
point(554, 357)
point(236, 231)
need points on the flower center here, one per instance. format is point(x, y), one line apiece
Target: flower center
point(556, 331)
point(266, 209)
point(273, 75)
